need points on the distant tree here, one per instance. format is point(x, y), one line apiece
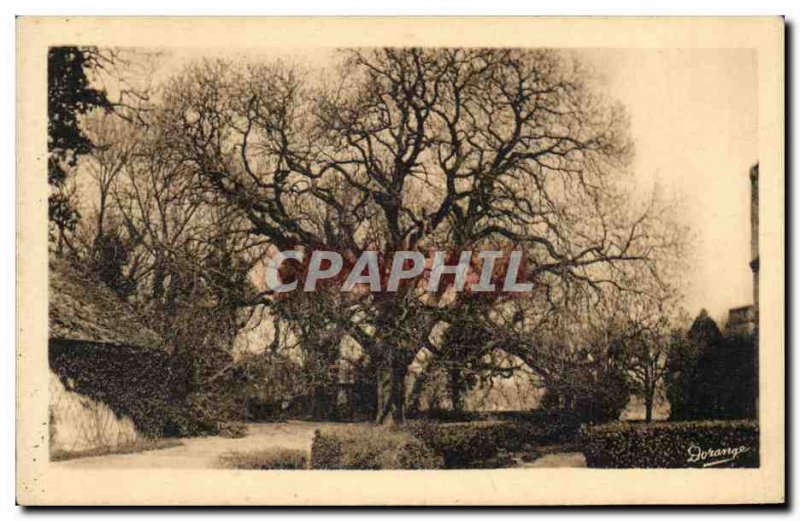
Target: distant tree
point(687, 385)
point(643, 328)
point(467, 354)
point(159, 241)
point(704, 330)
point(269, 378)
point(69, 96)
point(647, 366)
point(732, 377)
point(679, 374)
point(596, 390)
point(112, 252)
point(711, 375)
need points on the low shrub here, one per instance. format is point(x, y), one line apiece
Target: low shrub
point(549, 426)
point(554, 425)
point(370, 448)
point(714, 444)
point(597, 393)
point(473, 444)
point(447, 415)
point(277, 458)
point(232, 430)
point(461, 445)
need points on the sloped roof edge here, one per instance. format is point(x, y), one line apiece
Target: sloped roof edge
point(82, 308)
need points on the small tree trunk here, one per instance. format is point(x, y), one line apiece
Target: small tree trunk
point(324, 401)
point(649, 392)
point(381, 393)
point(416, 392)
point(648, 409)
point(455, 384)
point(391, 392)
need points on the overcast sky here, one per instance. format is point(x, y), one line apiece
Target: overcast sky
point(694, 122)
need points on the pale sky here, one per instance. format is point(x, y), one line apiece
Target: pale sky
point(694, 123)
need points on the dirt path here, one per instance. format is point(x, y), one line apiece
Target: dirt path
point(563, 459)
point(202, 453)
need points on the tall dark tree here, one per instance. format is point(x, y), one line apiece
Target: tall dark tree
point(711, 375)
point(69, 96)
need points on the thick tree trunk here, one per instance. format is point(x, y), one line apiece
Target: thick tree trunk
point(397, 343)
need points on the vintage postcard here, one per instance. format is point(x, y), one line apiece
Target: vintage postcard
point(399, 261)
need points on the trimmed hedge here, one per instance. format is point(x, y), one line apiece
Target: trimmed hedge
point(555, 426)
point(462, 445)
point(551, 426)
point(425, 445)
point(712, 444)
point(367, 447)
point(482, 444)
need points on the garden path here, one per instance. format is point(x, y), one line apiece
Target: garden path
point(202, 452)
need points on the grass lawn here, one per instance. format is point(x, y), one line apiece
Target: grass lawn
point(128, 448)
point(277, 458)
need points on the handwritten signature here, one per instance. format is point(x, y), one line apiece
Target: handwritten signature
point(711, 457)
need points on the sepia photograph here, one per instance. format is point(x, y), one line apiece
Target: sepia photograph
point(526, 257)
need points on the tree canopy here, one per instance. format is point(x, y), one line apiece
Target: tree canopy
point(396, 149)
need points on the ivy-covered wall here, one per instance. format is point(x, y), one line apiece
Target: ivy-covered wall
point(133, 383)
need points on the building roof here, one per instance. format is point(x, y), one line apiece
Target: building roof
point(82, 309)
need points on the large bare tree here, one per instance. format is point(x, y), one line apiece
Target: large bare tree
point(413, 149)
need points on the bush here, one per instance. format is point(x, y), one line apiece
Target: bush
point(137, 383)
point(711, 375)
point(447, 415)
point(461, 445)
point(232, 430)
point(716, 444)
point(594, 395)
point(554, 425)
point(268, 459)
point(370, 448)
point(479, 444)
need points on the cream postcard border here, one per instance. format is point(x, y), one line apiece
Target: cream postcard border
point(39, 483)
